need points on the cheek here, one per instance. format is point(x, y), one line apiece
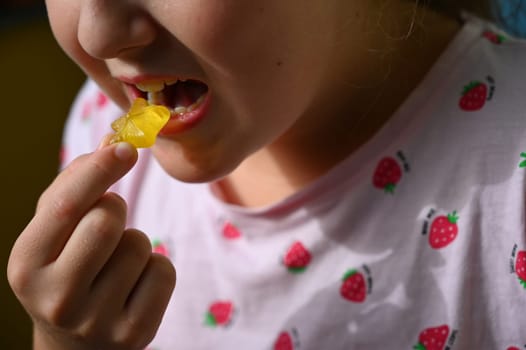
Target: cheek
point(63, 18)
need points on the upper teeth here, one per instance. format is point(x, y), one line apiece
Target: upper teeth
point(155, 86)
point(156, 97)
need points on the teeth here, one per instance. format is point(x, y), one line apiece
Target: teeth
point(157, 85)
point(192, 107)
point(179, 110)
point(151, 87)
point(156, 97)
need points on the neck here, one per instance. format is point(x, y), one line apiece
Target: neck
point(343, 118)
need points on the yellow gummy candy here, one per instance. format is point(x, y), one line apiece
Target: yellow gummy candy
point(141, 124)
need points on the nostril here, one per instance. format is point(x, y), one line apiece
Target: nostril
point(108, 29)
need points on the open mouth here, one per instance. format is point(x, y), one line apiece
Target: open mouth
point(179, 96)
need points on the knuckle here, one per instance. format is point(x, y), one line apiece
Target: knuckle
point(90, 328)
point(135, 333)
point(18, 277)
point(137, 243)
point(107, 216)
point(63, 208)
point(58, 311)
point(164, 269)
point(116, 203)
point(104, 224)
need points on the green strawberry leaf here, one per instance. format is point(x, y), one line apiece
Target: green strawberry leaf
point(419, 346)
point(348, 274)
point(297, 270)
point(389, 188)
point(522, 282)
point(523, 163)
point(453, 217)
point(210, 320)
point(470, 86)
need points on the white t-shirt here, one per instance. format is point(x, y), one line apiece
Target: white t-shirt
point(416, 239)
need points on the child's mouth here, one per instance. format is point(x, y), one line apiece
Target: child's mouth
point(187, 100)
point(180, 96)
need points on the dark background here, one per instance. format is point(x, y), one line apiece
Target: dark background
point(37, 84)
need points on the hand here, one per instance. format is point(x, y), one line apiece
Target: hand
point(86, 281)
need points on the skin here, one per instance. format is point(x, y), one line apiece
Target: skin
point(290, 100)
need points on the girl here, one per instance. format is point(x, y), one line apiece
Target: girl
point(335, 175)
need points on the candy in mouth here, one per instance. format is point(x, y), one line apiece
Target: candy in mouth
point(141, 125)
point(179, 96)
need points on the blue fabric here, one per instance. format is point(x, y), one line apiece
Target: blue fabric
point(511, 15)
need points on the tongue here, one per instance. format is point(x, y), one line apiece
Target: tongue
point(181, 96)
point(184, 93)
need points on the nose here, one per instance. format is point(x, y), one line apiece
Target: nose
point(110, 28)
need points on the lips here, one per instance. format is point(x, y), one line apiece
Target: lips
point(187, 100)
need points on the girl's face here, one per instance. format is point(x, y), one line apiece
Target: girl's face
point(252, 68)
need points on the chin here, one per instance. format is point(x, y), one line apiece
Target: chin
point(194, 168)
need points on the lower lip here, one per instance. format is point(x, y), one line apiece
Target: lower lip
point(182, 122)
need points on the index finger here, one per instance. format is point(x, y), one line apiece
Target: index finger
point(75, 190)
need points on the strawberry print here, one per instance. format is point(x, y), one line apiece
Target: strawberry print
point(230, 231)
point(353, 287)
point(284, 342)
point(513, 348)
point(474, 96)
point(387, 174)
point(433, 338)
point(522, 164)
point(102, 100)
point(297, 258)
point(494, 37)
point(287, 340)
point(520, 267)
point(219, 313)
point(86, 111)
point(444, 230)
point(159, 247)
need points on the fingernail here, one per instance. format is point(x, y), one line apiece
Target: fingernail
point(124, 150)
point(105, 141)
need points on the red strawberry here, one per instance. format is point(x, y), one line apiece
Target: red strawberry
point(444, 230)
point(86, 111)
point(159, 247)
point(284, 342)
point(230, 231)
point(219, 313)
point(433, 338)
point(387, 174)
point(494, 37)
point(513, 348)
point(474, 96)
point(297, 258)
point(102, 100)
point(520, 267)
point(353, 287)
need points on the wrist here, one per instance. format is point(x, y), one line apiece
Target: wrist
point(45, 340)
